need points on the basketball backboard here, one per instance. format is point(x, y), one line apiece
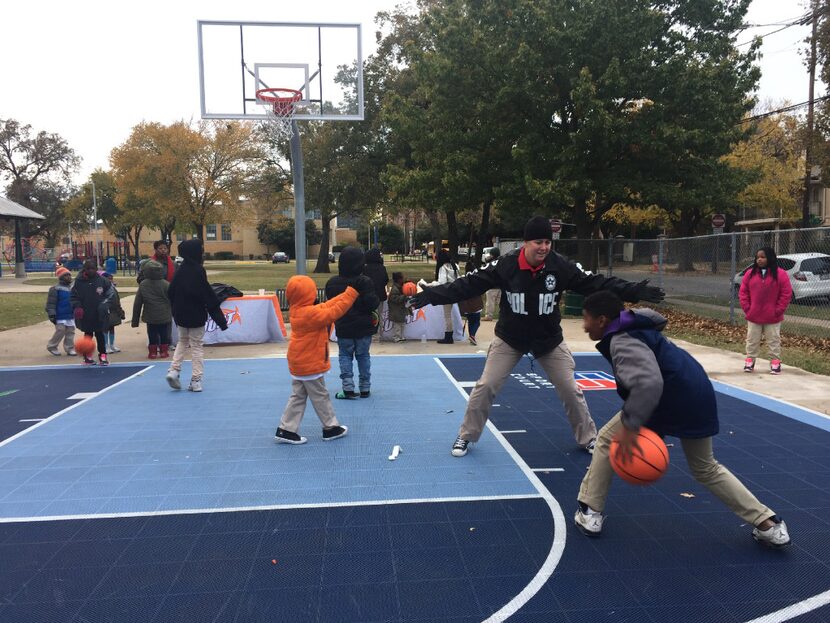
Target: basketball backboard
point(323, 61)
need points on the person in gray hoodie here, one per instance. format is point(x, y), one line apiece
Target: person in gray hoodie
point(153, 307)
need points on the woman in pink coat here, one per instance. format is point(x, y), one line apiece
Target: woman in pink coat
point(765, 294)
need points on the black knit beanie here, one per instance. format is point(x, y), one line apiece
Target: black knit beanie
point(538, 228)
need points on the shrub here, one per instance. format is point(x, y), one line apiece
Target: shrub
point(224, 255)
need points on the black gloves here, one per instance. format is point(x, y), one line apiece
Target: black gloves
point(647, 293)
point(53, 319)
point(419, 300)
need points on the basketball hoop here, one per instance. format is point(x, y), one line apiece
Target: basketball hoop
point(279, 109)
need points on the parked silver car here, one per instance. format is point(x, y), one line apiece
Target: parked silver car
point(809, 274)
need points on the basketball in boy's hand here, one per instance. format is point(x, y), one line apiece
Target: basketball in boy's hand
point(647, 464)
point(409, 289)
point(85, 345)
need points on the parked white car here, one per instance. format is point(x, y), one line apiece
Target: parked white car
point(809, 274)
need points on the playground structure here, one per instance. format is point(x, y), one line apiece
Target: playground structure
point(40, 259)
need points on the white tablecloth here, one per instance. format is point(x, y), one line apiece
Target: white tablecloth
point(427, 321)
point(251, 320)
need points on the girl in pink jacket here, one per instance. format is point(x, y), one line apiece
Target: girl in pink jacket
point(765, 294)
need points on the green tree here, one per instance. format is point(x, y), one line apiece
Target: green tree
point(390, 238)
point(279, 234)
point(37, 169)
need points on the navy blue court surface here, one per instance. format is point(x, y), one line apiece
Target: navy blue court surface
point(123, 501)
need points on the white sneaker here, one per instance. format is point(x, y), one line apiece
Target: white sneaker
point(590, 524)
point(589, 447)
point(195, 386)
point(110, 350)
point(115, 349)
point(173, 379)
point(776, 536)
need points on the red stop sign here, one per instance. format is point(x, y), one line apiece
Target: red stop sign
point(555, 225)
point(718, 220)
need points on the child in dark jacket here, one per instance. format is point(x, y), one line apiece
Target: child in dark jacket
point(152, 299)
point(308, 358)
point(398, 311)
point(59, 311)
point(667, 390)
point(91, 297)
point(115, 317)
point(356, 328)
point(191, 300)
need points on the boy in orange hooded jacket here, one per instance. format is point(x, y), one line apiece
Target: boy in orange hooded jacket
point(308, 358)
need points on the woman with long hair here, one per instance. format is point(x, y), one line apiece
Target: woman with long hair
point(446, 271)
point(765, 294)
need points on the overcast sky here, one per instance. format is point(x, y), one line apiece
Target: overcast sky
point(90, 69)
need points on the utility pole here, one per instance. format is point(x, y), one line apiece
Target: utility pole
point(95, 216)
point(805, 209)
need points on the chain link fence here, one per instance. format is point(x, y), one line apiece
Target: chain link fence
point(703, 274)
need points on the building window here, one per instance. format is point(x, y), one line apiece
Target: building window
point(181, 237)
point(210, 232)
point(226, 231)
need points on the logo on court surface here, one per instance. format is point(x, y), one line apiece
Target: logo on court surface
point(550, 283)
point(586, 381)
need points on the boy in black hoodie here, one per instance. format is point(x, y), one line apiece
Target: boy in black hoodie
point(91, 297)
point(192, 299)
point(356, 328)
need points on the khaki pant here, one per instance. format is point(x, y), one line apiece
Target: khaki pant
point(491, 302)
point(193, 338)
point(62, 332)
point(558, 365)
point(294, 411)
point(702, 463)
point(397, 330)
point(770, 332)
point(448, 318)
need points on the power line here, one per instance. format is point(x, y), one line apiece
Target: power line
point(785, 109)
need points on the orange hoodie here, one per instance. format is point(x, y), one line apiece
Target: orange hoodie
point(308, 348)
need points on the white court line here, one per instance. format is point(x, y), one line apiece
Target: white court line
point(509, 432)
point(796, 610)
point(83, 395)
point(548, 469)
point(270, 507)
point(37, 419)
point(559, 531)
point(69, 408)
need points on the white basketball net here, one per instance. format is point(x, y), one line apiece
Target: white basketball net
point(279, 113)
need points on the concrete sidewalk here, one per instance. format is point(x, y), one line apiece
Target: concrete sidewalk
point(26, 346)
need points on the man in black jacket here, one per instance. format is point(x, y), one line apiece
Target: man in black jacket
point(356, 328)
point(532, 280)
point(191, 300)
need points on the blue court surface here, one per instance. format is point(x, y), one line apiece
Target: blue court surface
point(124, 501)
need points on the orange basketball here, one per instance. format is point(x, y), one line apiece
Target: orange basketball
point(644, 467)
point(85, 345)
point(409, 289)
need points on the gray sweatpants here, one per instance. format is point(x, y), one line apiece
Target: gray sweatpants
point(63, 333)
point(559, 366)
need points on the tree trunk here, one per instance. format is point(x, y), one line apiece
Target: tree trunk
point(484, 231)
point(584, 227)
point(452, 235)
point(686, 225)
point(435, 227)
point(323, 257)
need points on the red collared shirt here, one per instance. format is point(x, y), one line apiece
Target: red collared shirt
point(523, 264)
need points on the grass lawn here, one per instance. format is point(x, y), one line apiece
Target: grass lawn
point(251, 276)
point(21, 309)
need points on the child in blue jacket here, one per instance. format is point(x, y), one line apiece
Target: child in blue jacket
point(665, 389)
point(59, 311)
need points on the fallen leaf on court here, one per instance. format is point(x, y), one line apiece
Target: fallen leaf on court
point(448, 411)
point(687, 495)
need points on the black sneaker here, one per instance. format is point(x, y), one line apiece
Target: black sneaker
point(459, 448)
point(346, 395)
point(286, 436)
point(335, 432)
point(364, 394)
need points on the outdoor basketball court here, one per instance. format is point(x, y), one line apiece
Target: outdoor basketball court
point(121, 500)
